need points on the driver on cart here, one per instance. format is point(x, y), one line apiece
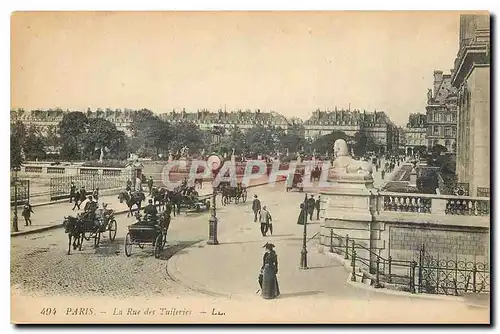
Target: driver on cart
point(89, 209)
point(151, 212)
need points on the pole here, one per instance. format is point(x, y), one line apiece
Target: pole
point(303, 253)
point(212, 222)
point(15, 220)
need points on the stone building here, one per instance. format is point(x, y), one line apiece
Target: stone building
point(471, 77)
point(244, 120)
point(415, 133)
point(376, 125)
point(442, 113)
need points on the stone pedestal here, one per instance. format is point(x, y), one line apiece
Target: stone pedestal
point(413, 178)
point(348, 204)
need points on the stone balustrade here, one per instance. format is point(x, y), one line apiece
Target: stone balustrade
point(432, 204)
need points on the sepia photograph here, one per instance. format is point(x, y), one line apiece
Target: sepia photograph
point(257, 167)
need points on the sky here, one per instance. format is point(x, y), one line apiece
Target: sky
point(289, 62)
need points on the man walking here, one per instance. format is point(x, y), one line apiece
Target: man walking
point(311, 203)
point(255, 207)
point(150, 184)
point(27, 211)
point(318, 206)
point(72, 192)
point(265, 222)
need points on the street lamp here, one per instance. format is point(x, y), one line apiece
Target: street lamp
point(303, 253)
point(216, 163)
point(15, 226)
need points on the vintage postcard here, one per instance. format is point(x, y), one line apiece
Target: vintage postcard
point(250, 167)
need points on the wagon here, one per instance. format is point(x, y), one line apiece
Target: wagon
point(147, 231)
point(294, 181)
point(104, 222)
point(229, 193)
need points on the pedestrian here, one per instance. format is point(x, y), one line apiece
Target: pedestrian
point(72, 192)
point(95, 194)
point(318, 207)
point(27, 211)
point(302, 215)
point(150, 184)
point(311, 203)
point(268, 280)
point(265, 219)
point(382, 174)
point(168, 207)
point(255, 207)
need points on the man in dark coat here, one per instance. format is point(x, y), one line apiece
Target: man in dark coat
point(255, 207)
point(27, 211)
point(151, 210)
point(72, 192)
point(150, 184)
point(318, 207)
point(311, 203)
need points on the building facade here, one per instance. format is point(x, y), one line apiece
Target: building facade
point(415, 133)
point(471, 78)
point(377, 126)
point(442, 113)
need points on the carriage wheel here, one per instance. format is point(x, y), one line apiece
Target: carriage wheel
point(112, 229)
point(164, 240)
point(158, 245)
point(97, 238)
point(244, 196)
point(128, 245)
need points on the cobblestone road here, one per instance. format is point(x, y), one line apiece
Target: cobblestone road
point(40, 265)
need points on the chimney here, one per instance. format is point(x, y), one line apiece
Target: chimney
point(438, 79)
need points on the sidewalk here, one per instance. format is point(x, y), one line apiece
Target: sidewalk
point(231, 268)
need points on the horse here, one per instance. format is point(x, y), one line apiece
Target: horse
point(74, 228)
point(158, 196)
point(176, 198)
point(131, 200)
point(78, 198)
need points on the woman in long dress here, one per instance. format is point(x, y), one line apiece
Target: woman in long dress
point(269, 270)
point(302, 215)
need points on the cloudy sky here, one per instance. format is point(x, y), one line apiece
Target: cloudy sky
point(289, 62)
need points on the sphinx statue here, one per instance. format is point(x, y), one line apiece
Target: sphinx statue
point(344, 165)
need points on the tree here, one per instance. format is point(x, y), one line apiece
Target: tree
point(260, 140)
point(102, 135)
point(17, 136)
point(71, 130)
point(325, 143)
point(34, 144)
point(235, 140)
point(186, 134)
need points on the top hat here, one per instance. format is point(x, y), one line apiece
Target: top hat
point(268, 246)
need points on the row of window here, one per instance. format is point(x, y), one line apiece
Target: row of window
point(448, 131)
point(445, 117)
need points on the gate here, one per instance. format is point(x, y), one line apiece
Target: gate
point(60, 186)
point(23, 191)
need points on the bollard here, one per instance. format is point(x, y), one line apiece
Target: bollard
point(412, 276)
point(390, 269)
point(378, 267)
point(347, 247)
point(353, 263)
point(331, 241)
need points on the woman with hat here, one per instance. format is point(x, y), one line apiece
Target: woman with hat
point(269, 270)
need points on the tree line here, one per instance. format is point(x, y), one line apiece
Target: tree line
point(82, 138)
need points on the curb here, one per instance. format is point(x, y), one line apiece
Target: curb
point(117, 212)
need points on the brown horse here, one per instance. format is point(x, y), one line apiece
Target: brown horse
point(131, 200)
point(74, 228)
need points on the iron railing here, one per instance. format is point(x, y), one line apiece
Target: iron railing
point(60, 186)
point(23, 191)
point(427, 275)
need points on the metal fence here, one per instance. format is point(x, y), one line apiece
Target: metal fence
point(23, 191)
point(427, 275)
point(60, 186)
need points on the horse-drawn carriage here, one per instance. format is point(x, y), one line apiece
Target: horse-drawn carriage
point(148, 231)
point(230, 193)
point(89, 225)
point(295, 181)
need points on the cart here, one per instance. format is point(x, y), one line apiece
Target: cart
point(294, 181)
point(147, 231)
point(104, 221)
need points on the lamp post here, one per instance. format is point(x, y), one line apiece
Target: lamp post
point(213, 221)
point(15, 226)
point(303, 253)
